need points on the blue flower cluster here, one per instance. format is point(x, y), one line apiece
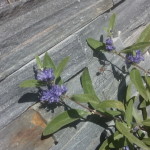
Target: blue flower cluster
point(109, 44)
point(54, 93)
point(46, 75)
point(130, 58)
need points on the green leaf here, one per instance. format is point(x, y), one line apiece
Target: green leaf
point(105, 144)
point(39, 63)
point(136, 115)
point(85, 98)
point(147, 79)
point(137, 81)
point(112, 104)
point(128, 112)
point(111, 22)
point(119, 143)
point(126, 132)
point(47, 62)
point(134, 47)
point(145, 35)
point(59, 81)
point(146, 141)
point(111, 112)
point(87, 84)
point(32, 83)
point(95, 45)
point(146, 122)
point(64, 119)
point(129, 93)
point(142, 104)
point(61, 67)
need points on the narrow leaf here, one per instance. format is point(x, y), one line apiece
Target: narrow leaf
point(47, 62)
point(136, 46)
point(64, 119)
point(145, 35)
point(112, 104)
point(105, 144)
point(111, 112)
point(87, 84)
point(146, 141)
point(39, 63)
point(147, 79)
point(146, 122)
point(111, 23)
point(32, 83)
point(119, 143)
point(85, 98)
point(137, 81)
point(95, 45)
point(61, 67)
point(126, 132)
point(136, 115)
point(128, 112)
point(129, 93)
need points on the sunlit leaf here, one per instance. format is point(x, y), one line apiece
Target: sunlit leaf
point(142, 104)
point(147, 81)
point(138, 83)
point(137, 116)
point(111, 112)
point(111, 23)
point(146, 122)
point(87, 86)
point(126, 132)
point(145, 35)
point(47, 62)
point(129, 92)
point(95, 45)
point(146, 141)
point(61, 67)
point(32, 83)
point(136, 46)
point(39, 63)
point(85, 98)
point(64, 119)
point(128, 112)
point(112, 104)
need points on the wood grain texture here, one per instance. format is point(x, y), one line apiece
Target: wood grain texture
point(62, 32)
point(35, 32)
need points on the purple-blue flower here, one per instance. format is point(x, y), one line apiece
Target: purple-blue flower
point(130, 58)
point(109, 44)
point(53, 94)
point(46, 75)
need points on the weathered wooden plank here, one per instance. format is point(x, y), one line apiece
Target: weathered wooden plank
point(37, 31)
point(10, 92)
point(25, 133)
point(131, 15)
